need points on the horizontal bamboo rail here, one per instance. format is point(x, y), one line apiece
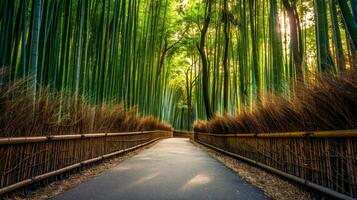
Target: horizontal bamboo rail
point(285, 175)
point(25, 160)
point(35, 139)
point(325, 161)
point(183, 134)
point(312, 134)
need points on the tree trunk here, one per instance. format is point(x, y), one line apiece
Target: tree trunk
point(201, 49)
point(188, 77)
point(79, 55)
point(325, 62)
point(296, 49)
point(350, 22)
point(354, 8)
point(255, 51)
point(24, 40)
point(35, 43)
point(225, 56)
point(337, 37)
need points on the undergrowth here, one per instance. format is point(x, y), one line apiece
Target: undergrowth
point(51, 113)
point(330, 103)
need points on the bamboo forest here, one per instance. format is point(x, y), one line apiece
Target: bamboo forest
point(176, 60)
point(212, 69)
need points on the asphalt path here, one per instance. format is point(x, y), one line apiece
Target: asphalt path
point(172, 169)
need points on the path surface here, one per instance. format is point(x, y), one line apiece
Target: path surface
point(171, 169)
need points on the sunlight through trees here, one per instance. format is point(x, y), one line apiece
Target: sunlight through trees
point(177, 60)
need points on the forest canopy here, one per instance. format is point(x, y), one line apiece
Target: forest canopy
point(178, 60)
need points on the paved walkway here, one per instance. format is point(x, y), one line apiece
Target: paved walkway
point(171, 169)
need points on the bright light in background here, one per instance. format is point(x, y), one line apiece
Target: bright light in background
point(189, 60)
point(308, 22)
point(308, 19)
point(184, 3)
point(284, 30)
point(284, 24)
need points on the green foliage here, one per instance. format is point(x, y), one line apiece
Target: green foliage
point(144, 53)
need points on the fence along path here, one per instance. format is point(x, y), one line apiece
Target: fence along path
point(25, 160)
point(325, 161)
point(171, 169)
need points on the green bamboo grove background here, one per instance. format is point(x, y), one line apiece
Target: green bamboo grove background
point(178, 60)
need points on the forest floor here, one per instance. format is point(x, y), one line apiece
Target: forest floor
point(273, 186)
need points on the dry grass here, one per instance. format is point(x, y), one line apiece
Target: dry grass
point(328, 104)
point(59, 113)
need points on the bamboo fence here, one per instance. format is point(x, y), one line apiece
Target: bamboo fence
point(326, 161)
point(183, 134)
point(26, 160)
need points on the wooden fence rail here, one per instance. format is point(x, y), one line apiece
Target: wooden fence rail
point(326, 160)
point(24, 160)
point(183, 134)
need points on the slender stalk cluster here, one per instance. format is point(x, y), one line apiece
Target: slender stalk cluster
point(177, 60)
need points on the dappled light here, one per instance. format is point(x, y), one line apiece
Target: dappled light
point(198, 180)
point(145, 179)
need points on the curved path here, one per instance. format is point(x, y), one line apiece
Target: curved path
point(171, 169)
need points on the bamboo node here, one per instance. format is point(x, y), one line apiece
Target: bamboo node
point(33, 180)
point(308, 133)
point(49, 138)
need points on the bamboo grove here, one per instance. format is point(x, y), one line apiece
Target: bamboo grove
point(107, 51)
point(178, 60)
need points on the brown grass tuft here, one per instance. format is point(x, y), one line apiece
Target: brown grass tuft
point(329, 104)
point(59, 113)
